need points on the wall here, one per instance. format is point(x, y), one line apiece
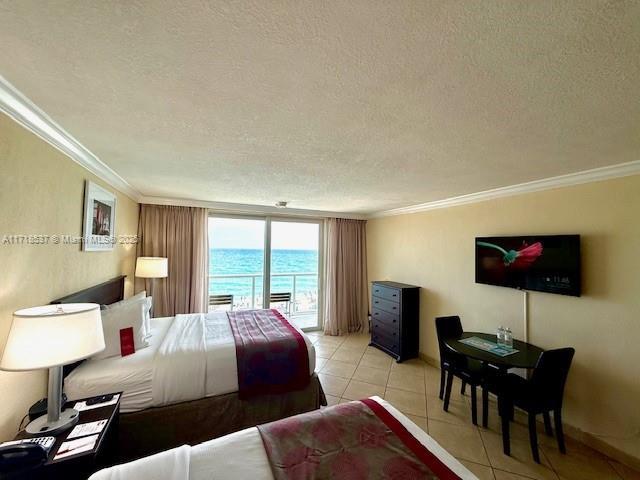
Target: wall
point(435, 249)
point(42, 192)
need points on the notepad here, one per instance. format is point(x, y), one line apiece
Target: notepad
point(84, 429)
point(74, 447)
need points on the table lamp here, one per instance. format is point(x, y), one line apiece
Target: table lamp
point(152, 267)
point(50, 337)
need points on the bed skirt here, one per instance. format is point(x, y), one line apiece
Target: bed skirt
point(155, 429)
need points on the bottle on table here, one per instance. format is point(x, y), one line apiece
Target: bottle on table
point(508, 337)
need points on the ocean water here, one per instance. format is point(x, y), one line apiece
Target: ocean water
point(245, 261)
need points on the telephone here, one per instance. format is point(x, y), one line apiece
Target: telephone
point(20, 457)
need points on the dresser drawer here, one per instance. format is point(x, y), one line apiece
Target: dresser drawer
point(391, 331)
point(385, 317)
point(386, 341)
point(386, 305)
point(385, 292)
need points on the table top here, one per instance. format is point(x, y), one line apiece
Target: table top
point(526, 356)
point(108, 412)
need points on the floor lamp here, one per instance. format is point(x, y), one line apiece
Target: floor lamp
point(152, 268)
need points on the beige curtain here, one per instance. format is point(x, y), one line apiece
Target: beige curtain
point(180, 234)
point(346, 292)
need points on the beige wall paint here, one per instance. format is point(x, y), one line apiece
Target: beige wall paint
point(435, 250)
point(41, 192)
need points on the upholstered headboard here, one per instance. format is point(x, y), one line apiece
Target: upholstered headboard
point(103, 294)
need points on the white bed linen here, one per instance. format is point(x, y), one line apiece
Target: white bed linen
point(180, 367)
point(169, 465)
point(142, 388)
point(241, 455)
point(133, 374)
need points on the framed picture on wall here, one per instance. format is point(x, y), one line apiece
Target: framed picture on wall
point(98, 227)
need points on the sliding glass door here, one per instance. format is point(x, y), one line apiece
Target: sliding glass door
point(295, 268)
point(243, 251)
point(236, 263)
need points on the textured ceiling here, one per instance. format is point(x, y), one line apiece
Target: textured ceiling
point(349, 106)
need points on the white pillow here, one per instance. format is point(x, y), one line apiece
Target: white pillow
point(147, 315)
point(114, 319)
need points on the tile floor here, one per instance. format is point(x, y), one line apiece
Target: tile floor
point(349, 370)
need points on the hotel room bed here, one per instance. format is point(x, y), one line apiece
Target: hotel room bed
point(134, 374)
point(250, 454)
point(167, 401)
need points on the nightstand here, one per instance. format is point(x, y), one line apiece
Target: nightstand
point(82, 465)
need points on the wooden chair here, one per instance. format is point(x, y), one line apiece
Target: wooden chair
point(541, 394)
point(283, 297)
point(452, 364)
point(215, 300)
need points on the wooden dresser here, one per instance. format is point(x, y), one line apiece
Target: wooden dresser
point(395, 319)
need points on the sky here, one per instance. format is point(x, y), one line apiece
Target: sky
point(244, 233)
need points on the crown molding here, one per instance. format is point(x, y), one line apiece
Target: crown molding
point(17, 106)
point(246, 209)
point(26, 113)
point(586, 176)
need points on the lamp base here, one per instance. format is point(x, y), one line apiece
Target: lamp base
point(68, 418)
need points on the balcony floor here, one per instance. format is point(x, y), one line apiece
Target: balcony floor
point(305, 320)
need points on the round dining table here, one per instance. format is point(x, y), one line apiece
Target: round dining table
point(526, 356)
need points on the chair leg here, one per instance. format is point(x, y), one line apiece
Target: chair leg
point(557, 417)
point(506, 443)
point(474, 406)
point(447, 393)
point(547, 424)
point(533, 437)
point(504, 418)
point(443, 374)
point(463, 388)
point(485, 407)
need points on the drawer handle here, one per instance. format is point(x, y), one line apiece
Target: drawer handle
point(376, 301)
point(394, 321)
point(394, 308)
point(377, 313)
point(395, 294)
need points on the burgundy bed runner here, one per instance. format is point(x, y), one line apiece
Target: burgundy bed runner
point(271, 354)
point(355, 440)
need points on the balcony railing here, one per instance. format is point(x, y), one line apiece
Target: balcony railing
point(308, 304)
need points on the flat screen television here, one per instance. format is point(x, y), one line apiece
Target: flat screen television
point(544, 263)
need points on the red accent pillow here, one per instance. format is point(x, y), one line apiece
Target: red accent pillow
point(127, 346)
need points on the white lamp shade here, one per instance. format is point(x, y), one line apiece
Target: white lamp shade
point(53, 335)
point(151, 267)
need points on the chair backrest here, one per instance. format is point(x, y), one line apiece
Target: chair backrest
point(447, 327)
point(550, 375)
point(280, 297)
point(220, 299)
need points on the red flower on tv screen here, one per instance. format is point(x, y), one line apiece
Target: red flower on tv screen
point(527, 255)
point(517, 259)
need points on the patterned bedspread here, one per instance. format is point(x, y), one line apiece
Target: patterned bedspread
point(271, 354)
point(355, 440)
